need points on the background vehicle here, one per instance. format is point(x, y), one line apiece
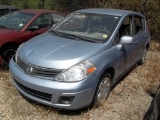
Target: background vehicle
point(76, 62)
point(20, 26)
point(5, 9)
point(154, 109)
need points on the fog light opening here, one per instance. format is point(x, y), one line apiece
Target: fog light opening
point(66, 99)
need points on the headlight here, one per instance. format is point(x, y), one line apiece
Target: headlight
point(16, 55)
point(77, 72)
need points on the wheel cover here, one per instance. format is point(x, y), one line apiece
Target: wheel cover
point(144, 55)
point(103, 90)
point(8, 55)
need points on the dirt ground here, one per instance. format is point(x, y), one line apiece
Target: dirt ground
point(129, 99)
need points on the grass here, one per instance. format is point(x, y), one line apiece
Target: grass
point(150, 71)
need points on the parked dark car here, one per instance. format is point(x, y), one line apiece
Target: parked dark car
point(20, 26)
point(76, 62)
point(154, 109)
point(5, 9)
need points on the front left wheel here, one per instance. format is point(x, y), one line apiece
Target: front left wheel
point(103, 90)
point(7, 53)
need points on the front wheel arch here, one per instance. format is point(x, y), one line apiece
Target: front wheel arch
point(4, 48)
point(110, 72)
point(143, 58)
point(101, 93)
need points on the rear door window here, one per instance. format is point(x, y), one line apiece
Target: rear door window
point(43, 21)
point(57, 17)
point(139, 24)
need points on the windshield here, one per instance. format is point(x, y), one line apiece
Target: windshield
point(15, 20)
point(93, 26)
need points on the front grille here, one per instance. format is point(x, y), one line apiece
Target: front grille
point(36, 70)
point(41, 95)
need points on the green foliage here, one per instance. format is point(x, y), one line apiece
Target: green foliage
point(25, 4)
point(4, 2)
point(65, 5)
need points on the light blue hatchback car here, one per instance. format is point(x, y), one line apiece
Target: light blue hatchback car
point(78, 60)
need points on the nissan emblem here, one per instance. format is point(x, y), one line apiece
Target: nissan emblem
point(29, 69)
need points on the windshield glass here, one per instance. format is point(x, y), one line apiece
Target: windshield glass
point(15, 20)
point(93, 26)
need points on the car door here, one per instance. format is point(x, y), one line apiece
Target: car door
point(140, 36)
point(127, 52)
point(43, 22)
point(121, 65)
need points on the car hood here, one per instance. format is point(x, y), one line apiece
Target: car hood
point(51, 51)
point(5, 31)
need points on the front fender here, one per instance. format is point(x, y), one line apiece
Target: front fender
point(104, 60)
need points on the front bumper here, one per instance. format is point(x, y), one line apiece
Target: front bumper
point(56, 94)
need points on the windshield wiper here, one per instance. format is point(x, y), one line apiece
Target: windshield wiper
point(73, 36)
point(83, 38)
point(63, 34)
point(53, 32)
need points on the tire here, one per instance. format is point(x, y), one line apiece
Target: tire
point(7, 53)
point(103, 90)
point(142, 60)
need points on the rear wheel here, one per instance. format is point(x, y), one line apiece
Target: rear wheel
point(143, 57)
point(8, 52)
point(103, 90)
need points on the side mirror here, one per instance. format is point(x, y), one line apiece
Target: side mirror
point(33, 28)
point(126, 40)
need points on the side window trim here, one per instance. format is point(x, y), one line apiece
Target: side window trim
point(129, 25)
point(119, 33)
point(40, 16)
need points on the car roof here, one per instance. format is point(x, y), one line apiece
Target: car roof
point(8, 7)
point(37, 11)
point(115, 12)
